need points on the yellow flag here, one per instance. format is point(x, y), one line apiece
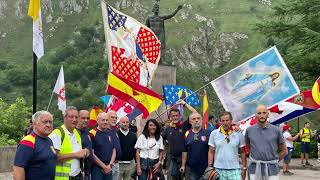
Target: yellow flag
point(34, 11)
point(34, 8)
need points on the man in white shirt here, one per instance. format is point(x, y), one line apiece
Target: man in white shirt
point(67, 142)
point(289, 142)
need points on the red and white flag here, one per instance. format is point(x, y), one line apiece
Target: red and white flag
point(60, 91)
point(133, 49)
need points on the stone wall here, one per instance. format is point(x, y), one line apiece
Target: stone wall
point(7, 154)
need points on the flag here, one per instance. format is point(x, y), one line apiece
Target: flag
point(205, 115)
point(122, 108)
point(316, 91)
point(173, 93)
point(284, 111)
point(104, 99)
point(34, 11)
point(59, 89)
point(133, 49)
point(93, 116)
point(138, 96)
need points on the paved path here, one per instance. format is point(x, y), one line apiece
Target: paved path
point(299, 174)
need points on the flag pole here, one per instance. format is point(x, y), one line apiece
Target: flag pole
point(50, 101)
point(34, 84)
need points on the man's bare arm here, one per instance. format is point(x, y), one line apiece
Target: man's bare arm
point(211, 153)
point(283, 151)
point(18, 173)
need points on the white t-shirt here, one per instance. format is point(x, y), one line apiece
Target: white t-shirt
point(286, 134)
point(149, 147)
point(75, 163)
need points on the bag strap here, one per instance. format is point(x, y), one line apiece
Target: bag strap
point(62, 133)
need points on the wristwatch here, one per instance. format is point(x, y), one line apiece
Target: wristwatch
point(244, 168)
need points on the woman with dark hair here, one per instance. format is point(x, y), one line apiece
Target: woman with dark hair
point(149, 152)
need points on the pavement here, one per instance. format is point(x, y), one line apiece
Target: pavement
point(300, 172)
point(296, 164)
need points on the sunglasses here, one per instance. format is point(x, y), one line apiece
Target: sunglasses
point(227, 139)
point(196, 137)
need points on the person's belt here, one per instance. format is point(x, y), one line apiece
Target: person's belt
point(125, 162)
point(77, 177)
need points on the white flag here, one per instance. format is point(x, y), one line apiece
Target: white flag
point(59, 89)
point(34, 11)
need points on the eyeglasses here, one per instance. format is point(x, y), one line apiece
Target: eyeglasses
point(227, 139)
point(196, 138)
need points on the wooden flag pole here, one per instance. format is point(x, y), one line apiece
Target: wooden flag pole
point(50, 101)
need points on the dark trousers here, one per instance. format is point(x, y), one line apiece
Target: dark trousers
point(97, 174)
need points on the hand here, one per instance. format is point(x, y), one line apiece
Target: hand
point(139, 171)
point(181, 102)
point(182, 169)
point(80, 154)
point(157, 167)
point(106, 169)
point(243, 174)
point(87, 152)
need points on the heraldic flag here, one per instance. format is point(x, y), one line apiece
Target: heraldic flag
point(172, 93)
point(34, 11)
point(60, 91)
point(133, 49)
point(138, 96)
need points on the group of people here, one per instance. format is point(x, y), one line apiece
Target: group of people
point(305, 136)
point(113, 151)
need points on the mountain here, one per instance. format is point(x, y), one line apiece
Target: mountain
point(204, 40)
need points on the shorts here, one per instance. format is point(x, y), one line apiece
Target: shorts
point(305, 147)
point(234, 174)
point(287, 158)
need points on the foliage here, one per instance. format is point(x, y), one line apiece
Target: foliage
point(13, 120)
point(313, 147)
point(295, 28)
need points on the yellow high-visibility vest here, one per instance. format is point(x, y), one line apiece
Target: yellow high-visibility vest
point(63, 168)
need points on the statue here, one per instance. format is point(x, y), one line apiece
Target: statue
point(156, 24)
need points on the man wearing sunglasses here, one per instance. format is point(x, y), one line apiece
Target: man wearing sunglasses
point(224, 147)
point(196, 149)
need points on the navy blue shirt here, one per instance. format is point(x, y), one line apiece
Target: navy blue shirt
point(175, 137)
point(197, 147)
point(102, 144)
point(86, 143)
point(116, 142)
point(37, 156)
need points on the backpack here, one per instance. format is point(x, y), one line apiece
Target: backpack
point(62, 133)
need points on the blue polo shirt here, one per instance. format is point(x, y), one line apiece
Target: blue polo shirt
point(226, 153)
point(196, 144)
point(116, 142)
point(102, 144)
point(86, 143)
point(175, 138)
point(37, 156)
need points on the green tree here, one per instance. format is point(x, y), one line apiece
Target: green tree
point(295, 29)
point(13, 120)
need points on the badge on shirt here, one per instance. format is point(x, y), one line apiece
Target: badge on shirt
point(203, 138)
point(53, 150)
